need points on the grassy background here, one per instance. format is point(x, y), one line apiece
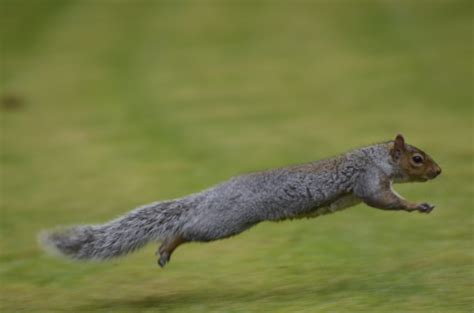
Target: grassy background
point(107, 105)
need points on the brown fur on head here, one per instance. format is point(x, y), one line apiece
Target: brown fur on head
point(415, 164)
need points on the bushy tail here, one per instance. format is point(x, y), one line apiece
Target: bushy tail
point(123, 235)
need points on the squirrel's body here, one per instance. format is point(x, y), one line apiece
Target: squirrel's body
point(298, 191)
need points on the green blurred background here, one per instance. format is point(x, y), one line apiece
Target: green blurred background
point(106, 105)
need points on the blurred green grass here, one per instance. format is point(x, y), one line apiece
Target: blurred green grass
point(122, 103)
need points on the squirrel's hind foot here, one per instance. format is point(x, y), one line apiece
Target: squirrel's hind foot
point(164, 258)
point(167, 248)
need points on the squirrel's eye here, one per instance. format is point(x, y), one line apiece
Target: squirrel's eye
point(417, 159)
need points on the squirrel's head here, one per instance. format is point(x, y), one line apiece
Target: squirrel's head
point(414, 164)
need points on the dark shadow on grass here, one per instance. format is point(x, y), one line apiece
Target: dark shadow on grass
point(234, 298)
point(186, 299)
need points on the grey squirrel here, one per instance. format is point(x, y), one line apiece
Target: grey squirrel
point(299, 191)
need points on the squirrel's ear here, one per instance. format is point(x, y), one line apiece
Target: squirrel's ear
point(398, 147)
point(400, 142)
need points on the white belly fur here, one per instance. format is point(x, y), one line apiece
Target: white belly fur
point(338, 205)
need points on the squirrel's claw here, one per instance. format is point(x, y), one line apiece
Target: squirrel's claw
point(425, 208)
point(164, 258)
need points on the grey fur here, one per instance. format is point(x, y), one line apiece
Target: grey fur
point(299, 191)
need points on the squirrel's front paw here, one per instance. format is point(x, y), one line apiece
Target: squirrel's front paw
point(425, 207)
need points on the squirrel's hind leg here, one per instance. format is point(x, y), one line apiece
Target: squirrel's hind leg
point(167, 248)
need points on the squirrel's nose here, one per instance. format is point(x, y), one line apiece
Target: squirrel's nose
point(438, 171)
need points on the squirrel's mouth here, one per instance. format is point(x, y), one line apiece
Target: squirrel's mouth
point(433, 175)
point(428, 177)
point(425, 178)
